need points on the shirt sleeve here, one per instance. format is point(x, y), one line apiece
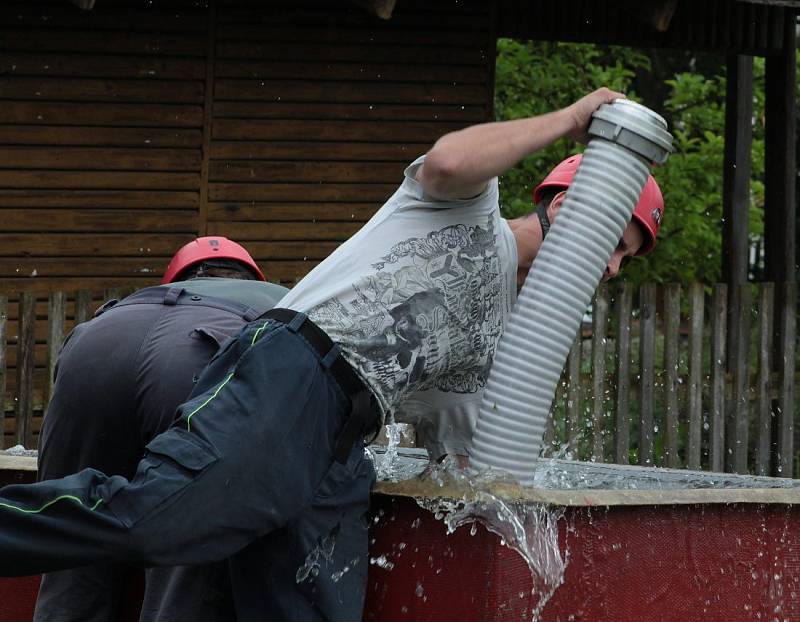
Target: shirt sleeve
point(413, 189)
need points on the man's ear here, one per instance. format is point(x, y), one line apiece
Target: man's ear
point(555, 205)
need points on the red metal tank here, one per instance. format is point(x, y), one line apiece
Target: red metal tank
point(659, 555)
point(680, 560)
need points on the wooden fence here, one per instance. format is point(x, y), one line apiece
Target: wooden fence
point(655, 383)
point(660, 376)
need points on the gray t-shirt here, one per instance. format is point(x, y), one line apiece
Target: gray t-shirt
point(417, 300)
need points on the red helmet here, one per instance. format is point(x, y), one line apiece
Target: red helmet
point(210, 247)
point(648, 211)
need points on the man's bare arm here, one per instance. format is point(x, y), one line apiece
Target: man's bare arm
point(460, 163)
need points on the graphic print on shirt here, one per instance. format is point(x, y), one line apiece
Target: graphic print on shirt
point(429, 316)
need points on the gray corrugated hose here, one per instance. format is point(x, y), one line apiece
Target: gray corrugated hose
point(625, 139)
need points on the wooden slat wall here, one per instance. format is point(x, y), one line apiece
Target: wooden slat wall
point(127, 130)
point(319, 107)
point(101, 122)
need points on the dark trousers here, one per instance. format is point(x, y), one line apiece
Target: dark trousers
point(120, 379)
point(247, 472)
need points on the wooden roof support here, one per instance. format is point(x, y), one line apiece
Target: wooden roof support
point(736, 184)
point(780, 210)
point(86, 5)
point(780, 214)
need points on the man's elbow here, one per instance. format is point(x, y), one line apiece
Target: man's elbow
point(440, 174)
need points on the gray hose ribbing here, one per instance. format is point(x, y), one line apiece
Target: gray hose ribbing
point(557, 291)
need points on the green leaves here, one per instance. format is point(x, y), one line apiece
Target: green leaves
point(533, 78)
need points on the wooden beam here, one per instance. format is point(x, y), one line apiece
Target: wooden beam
point(86, 5)
point(780, 209)
point(736, 184)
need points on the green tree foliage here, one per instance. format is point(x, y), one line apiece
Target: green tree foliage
point(532, 78)
point(535, 78)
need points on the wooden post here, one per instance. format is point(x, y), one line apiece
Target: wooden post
point(780, 202)
point(573, 410)
point(785, 409)
point(766, 297)
point(26, 362)
point(83, 306)
point(736, 184)
point(647, 355)
point(3, 340)
point(697, 305)
point(719, 329)
point(599, 331)
point(672, 320)
point(622, 427)
point(55, 337)
point(738, 424)
point(112, 293)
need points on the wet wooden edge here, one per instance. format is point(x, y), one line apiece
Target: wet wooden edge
point(17, 463)
point(419, 488)
point(426, 488)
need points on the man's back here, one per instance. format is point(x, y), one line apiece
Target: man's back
point(119, 380)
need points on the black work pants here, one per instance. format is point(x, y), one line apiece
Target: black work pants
point(247, 472)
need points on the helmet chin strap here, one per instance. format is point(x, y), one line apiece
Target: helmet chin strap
point(544, 219)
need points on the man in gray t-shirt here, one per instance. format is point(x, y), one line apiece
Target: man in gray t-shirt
point(411, 306)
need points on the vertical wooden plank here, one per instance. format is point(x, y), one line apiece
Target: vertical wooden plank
point(647, 356)
point(573, 410)
point(555, 432)
point(695, 410)
point(112, 293)
point(736, 184)
point(83, 306)
point(739, 421)
point(736, 168)
point(623, 374)
point(780, 135)
point(599, 339)
point(549, 435)
point(786, 396)
point(26, 361)
point(766, 297)
point(672, 321)
point(719, 329)
point(55, 337)
point(3, 346)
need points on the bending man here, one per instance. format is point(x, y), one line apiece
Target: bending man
point(120, 378)
point(272, 435)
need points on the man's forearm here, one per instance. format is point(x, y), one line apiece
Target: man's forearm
point(461, 163)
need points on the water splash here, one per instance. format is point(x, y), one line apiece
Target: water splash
point(388, 466)
point(324, 550)
point(530, 529)
point(336, 576)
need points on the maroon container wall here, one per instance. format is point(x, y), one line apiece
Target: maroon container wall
point(626, 564)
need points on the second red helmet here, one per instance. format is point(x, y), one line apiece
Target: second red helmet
point(208, 247)
point(648, 212)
